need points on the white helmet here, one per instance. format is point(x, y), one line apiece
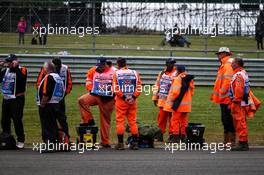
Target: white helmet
point(224, 49)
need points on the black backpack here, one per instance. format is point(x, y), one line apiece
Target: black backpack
point(7, 142)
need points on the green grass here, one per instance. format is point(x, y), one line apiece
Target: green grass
point(203, 112)
point(73, 44)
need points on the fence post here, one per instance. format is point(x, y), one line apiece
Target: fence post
point(206, 25)
point(93, 40)
point(10, 19)
point(171, 54)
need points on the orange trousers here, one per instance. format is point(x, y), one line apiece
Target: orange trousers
point(239, 119)
point(105, 107)
point(179, 122)
point(123, 111)
point(163, 118)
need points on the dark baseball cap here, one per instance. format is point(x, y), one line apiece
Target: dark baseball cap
point(180, 68)
point(170, 61)
point(101, 61)
point(121, 60)
point(11, 57)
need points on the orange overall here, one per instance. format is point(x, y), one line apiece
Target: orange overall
point(105, 103)
point(162, 87)
point(179, 120)
point(239, 107)
point(126, 77)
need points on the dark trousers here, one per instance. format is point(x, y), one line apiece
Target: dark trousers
point(260, 44)
point(62, 118)
point(227, 118)
point(43, 39)
point(49, 127)
point(21, 38)
point(13, 109)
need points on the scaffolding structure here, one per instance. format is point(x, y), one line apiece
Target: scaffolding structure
point(131, 17)
point(159, 16)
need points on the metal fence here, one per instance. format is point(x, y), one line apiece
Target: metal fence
point(204, 69)
point(129, 17)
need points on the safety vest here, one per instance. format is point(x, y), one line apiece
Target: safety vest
point(222, 83)
point(244, 74)
point(162, 88)
point(58, 92)
point(102, 83)
point(64, 74)
point(165, 84)
point(127, 81)
point(9, 85)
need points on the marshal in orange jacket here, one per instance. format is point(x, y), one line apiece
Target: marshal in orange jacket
point(222, 83)
point(161, 98)
point(68, 82)
point(124, 109)
point(89, 78)
point(118, 91)
point(238, 91)
point(186, 103)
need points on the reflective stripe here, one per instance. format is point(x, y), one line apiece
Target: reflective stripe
point(88, 82)
point(163, 97)
point(222, 77)
point(186, 103)
point(175, 87)
point(169, 102)
point(171, 98)
point(219, 95)
point(223, 90)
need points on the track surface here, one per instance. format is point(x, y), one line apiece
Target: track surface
point(144, 161)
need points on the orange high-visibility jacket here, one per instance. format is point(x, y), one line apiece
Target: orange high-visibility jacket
point(118, 90)
point(68, 82)
point(89, 78)
point(186, 103)
point(237, 88)
point(162, 96)
point(222, 82)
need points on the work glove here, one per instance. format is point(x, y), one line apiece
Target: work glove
point(129, 99)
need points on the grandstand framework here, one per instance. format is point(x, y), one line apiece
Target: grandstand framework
point(148, 16)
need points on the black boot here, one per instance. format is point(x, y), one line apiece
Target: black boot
point(90, 123)
point(134, 144)
point(175, 138)
point(242, 146)
point(169, 138)
point(120, 144)
point(160, 138)
point(183, 139)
